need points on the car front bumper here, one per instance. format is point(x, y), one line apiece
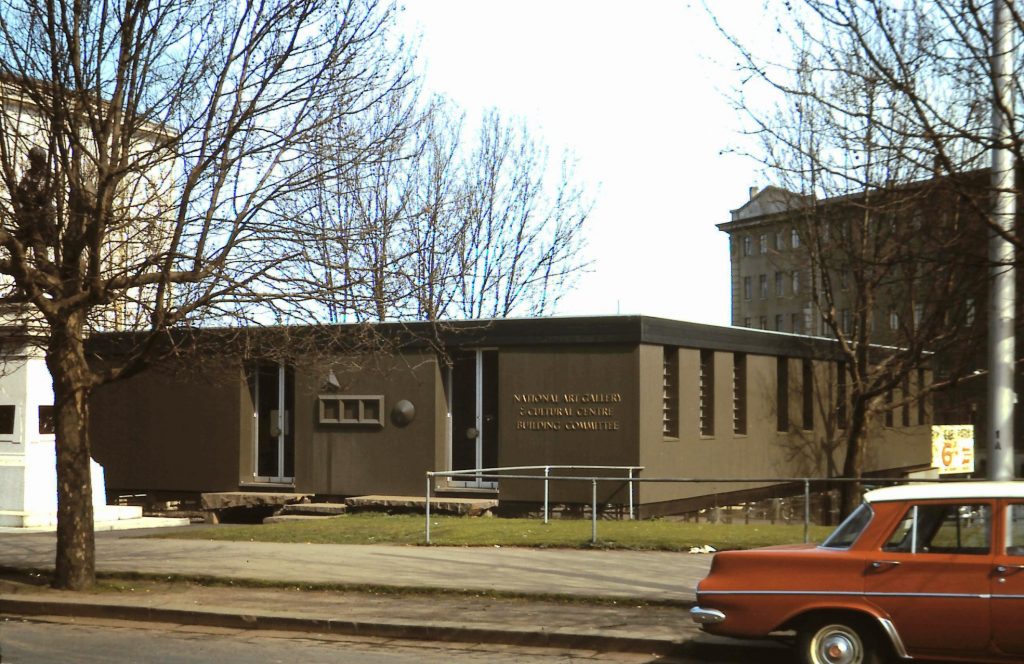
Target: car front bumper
point(706, 616)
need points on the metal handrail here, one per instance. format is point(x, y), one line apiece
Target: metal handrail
point(495, 473)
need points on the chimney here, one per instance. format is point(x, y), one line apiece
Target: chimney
point(753, 192)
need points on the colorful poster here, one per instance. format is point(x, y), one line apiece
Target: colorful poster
point(953, 448)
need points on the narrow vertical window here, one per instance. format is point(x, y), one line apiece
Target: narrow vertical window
point(782, 394)
point(670, 393)
point(795, 286)
point(779, 325)
point(841, 412)
point(763, 242)
point(922, 410)
point(707, 393)
point(888, 409)
point(796, 323)
point(739, 393)
point(762, 283)
point(905, 409)
point(746, 288)
point(808, 394)
point(794, 240)
point(748, 245)
point(780, 280)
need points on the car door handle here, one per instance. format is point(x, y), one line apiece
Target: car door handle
point(879, 564)
point(1003, 569)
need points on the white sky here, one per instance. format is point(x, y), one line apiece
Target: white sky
point(634, 89)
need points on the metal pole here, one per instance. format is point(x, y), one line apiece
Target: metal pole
point(547, 471)
point(593, 511)
point(631, 517)
point(807, 511)
point(1002, 289)
point(427, 510)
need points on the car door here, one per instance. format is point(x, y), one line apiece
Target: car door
point(1007, 579)
point(932, 577)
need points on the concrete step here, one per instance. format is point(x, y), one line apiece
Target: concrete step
point(313, 509)
point(460, 506)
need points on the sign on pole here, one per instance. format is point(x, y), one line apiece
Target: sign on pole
point(953, 448)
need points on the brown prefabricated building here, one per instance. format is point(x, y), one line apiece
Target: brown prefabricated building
point(678, 399)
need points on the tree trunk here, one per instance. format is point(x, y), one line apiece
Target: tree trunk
point(76, 555)
point(850, 492)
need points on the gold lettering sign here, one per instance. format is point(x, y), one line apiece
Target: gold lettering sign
point(567, 411)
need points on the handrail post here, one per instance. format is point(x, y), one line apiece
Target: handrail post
point(427, 510)
point(547, 472)
point(630, 486)
point(593, 511)
point(807, 510)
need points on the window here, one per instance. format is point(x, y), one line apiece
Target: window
point(930, 528)
point(780, 240)
point(905, 408)
point(894, 319)
point(346, 409)
point(47, 423)
point(748, 245)
point(782, 394)
point(848, 531)
point(844, 321)
point(794, 239)
point(746, 322)
point(739, 393)
point(6, 420)
point(841, 413)
point(779, 325)
point(746, 288)
point(796, 325)
point(762, 283)
point(844, 279)
point(670, 393)
point(780, 287)
point(1015, 530)
point(763, 322)
point(808, 394)
point(922, 403)
point(706, 391)
point(969, 316)
point(795, 287)
point(763, 243)
point(888, 409)
point(918, 315)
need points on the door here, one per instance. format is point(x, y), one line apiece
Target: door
point(932, 577)
point(1008, 584)
point(473, 409)
point(273, 389)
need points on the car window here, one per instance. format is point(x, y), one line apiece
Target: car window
point(1015, 530)
point(849, 530)
point(930, 528)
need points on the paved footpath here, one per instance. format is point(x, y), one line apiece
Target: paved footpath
point(630, 579)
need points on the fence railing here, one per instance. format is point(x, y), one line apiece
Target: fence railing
point(633, 481)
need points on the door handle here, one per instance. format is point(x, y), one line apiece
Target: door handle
point(1003, 569)
point(879, 564)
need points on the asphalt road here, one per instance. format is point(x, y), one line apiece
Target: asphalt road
point(107, 642)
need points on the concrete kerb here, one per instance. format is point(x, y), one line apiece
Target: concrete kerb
point(26, 607)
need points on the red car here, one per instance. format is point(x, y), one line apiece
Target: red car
point(931, 571)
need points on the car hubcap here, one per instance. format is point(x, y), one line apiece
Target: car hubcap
point(836, 645)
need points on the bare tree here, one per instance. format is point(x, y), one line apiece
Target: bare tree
point(878, 128)
point(164, 133)
point(438, 228)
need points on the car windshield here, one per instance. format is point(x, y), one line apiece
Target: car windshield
point(848, 531)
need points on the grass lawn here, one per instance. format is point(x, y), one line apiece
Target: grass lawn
point(375, 528)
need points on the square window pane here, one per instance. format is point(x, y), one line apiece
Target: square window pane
point(47, 424)
point(943, 529)
point(6, 420)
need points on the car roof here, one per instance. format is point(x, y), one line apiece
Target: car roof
point(940, 490)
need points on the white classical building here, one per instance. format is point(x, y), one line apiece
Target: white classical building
point(28, 484)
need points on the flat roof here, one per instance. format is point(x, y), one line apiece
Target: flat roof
point(939, 490)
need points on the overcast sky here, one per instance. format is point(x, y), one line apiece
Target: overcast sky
point(635, 90)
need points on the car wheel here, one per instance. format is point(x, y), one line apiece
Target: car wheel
point(838, 641)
